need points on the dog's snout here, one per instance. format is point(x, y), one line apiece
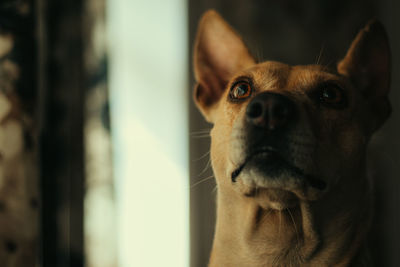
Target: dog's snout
point(270, 110)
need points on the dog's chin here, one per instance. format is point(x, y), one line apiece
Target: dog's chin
point(275, 183)
point(270, 195)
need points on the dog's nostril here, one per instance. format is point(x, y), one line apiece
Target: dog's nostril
point(255, 110)
point(270, 111)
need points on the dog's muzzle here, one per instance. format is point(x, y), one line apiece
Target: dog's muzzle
point(269, 118)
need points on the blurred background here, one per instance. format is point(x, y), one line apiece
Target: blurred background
point(104, 158)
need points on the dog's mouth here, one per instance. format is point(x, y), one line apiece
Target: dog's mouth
point(271, 163)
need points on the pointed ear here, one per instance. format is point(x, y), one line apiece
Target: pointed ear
point(219, 53)
point(367, 64)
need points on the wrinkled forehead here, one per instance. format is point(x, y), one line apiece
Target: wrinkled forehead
point(272, 75)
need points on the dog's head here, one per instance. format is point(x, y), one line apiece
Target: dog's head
point(287, 133)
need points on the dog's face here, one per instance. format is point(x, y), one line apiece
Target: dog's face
point(283, 133)
point(287, 133)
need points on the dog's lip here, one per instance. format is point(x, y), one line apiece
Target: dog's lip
point(259, 151)
point(310, 179)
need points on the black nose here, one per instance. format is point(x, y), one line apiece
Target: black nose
point(270, 110)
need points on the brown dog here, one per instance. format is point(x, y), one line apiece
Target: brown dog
point(288, 149)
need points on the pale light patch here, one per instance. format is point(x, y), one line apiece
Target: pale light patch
point(5, 106)
point(148, 101)
point(99, 223)
point(6, 44)
point(11, 139)
point(151, 201)
point(11, 69)
point(2, 180)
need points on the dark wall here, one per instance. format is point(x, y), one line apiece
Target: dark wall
point(61, 143)
point(385, 152)
point(303, 32)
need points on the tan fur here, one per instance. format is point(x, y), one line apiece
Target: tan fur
point(282, 222)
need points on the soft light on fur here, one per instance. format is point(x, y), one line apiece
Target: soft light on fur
point(321, 215)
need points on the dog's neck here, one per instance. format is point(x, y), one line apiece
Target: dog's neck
point(321, 233)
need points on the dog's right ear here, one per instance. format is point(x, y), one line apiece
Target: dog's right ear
point(367, 64)
point(219, 53)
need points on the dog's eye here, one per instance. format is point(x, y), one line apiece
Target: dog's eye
point(332, 95)
point(240, 90)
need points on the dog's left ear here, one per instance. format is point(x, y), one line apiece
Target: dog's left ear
point(219, 53)
point(367, 64)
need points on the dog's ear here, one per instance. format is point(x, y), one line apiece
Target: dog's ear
point(367, 64)
point(219, 52)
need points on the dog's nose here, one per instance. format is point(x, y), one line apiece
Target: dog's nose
point(270, 110)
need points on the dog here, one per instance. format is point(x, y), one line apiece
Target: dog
point(288, 148)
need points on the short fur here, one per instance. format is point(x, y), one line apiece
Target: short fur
point(274, 216)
